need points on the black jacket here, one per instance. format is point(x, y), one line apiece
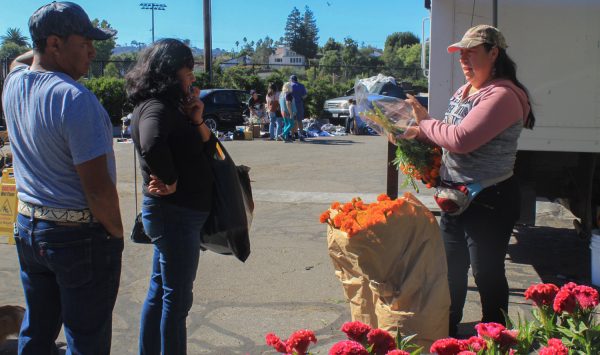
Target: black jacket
point(169, 147)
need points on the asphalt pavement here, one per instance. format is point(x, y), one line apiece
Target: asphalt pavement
point(288, 281)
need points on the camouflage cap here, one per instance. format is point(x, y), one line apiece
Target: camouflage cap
point(479, 35)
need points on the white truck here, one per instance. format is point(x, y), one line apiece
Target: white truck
point(556, 45)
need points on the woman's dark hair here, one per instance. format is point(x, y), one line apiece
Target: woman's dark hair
point(155, 72)
point(272, 89)
point(506, 68)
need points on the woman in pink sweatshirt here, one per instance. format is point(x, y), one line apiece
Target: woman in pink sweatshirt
point(479, 136)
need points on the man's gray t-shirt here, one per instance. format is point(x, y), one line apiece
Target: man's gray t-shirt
point(54, 123)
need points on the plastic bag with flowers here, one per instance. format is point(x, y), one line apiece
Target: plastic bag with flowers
point(391, 115)
point(380, 252)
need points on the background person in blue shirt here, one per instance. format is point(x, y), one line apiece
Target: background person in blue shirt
point(70, 235)
point(299, 93)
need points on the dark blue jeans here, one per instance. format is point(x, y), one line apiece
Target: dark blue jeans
point(175, 233)
point(70, 274)
point(479, 238)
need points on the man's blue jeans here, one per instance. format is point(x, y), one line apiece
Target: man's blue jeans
point(175, 233)
point(70, 274)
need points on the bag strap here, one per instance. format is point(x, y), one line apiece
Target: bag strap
point(135, 179)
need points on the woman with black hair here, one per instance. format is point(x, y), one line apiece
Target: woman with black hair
point(173, 145)
point(479, 136)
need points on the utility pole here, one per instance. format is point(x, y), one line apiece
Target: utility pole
point(152, 6)
point(207, 40)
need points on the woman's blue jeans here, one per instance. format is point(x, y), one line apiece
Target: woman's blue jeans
point(70, 274)
point(275, 125)
point(175, 233)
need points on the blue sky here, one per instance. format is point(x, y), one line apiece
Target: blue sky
point(364, 21)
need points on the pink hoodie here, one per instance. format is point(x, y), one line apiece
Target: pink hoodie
point(491, 110)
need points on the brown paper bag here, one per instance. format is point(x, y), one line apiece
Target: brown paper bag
point(394, 274)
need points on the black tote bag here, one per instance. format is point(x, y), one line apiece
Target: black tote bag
point(226, 230)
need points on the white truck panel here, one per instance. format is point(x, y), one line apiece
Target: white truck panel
point(556, 45)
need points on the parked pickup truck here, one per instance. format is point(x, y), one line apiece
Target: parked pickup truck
point(336, 110)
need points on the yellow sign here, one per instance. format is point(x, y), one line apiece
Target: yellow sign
point(8, 204)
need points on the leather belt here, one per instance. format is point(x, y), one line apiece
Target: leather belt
point(56, 214)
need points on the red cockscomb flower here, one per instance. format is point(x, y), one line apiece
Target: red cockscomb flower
point(542, 294)
point(555, 347)
point(565, 301)
point(275, 342)
point(348, 347)
point(475, 344)
point(299, 341)
point(381, 340)
point(447, 346)
point(586, 296)
point(356, 331)
point(490, 330)
point(467, 352)
point(508, 338)
point(397, 352)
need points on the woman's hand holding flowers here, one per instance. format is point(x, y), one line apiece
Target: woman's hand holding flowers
point(419, 111)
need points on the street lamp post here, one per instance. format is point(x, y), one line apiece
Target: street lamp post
point(153, 6)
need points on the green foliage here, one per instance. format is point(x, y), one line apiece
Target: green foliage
point(12, 50)
point(14, 35)
point(122, 63)
point(111, 94)
point(243, 78)
point(321, 89)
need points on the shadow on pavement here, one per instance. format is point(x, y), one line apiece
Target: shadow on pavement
point(331, 141)
point(557, 254)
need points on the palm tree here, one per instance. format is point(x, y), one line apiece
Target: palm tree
point(15, 36)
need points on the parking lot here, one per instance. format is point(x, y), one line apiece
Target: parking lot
point(288, 282)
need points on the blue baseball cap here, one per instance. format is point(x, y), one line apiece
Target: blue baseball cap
point(63, 19)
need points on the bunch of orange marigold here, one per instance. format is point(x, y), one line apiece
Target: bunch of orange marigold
point(356, 216)
point(415, 159)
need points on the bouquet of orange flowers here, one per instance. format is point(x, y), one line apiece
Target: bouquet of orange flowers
point(417, 160)
point(390, 115)
point(356, 216)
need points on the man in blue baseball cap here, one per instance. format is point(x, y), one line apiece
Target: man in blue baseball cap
point(70, 235)
point(299, 93)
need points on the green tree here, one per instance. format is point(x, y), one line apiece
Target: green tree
point(264, 48)
point(120, 64)
point(330, 62)
point(103, 48)
point(293, 28)
point(14, 35)
point(393, 42)
point(309, 32)
point(12, 50)
point(301, 32)
point(331, 45)
point(244, 78)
